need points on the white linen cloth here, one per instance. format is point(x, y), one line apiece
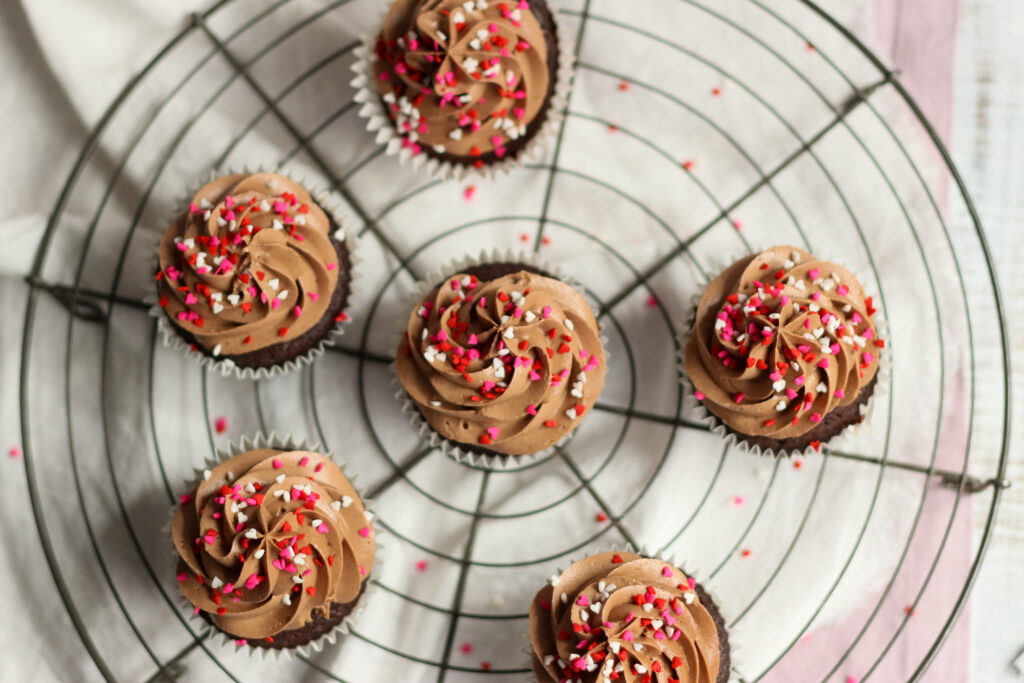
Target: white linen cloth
point(93, 65)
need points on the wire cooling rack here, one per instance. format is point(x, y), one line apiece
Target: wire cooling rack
point(695, 132)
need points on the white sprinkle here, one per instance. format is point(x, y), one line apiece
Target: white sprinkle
point(282, 295)
point(274, 284)
point(242, 518)
point(821, 388)
point(277, 224)
point(252, 534)
point(259, 554)
point(571, 413)
point(779, 385)
point(287, 599)
point(216, 583)
point(509, 333)
point(216, 349)
point(233, 299)
point(781, 405)
point(206, 475)
point(345, 501)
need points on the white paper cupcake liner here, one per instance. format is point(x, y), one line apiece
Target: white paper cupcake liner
point(225, 366)
point(715, 424)
point(422, 289)
point(379, 123)
point(285, 443)
point(735, 664)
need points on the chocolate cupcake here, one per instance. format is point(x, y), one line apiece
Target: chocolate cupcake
point(500, 360)
point(255, 275)
point(465, 84)
point(274, 547)
point(622, 616)
point(784, 350)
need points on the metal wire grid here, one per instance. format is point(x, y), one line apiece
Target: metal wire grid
point(97, 307)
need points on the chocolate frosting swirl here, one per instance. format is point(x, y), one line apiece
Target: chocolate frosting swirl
point(251, 264)
point(268, 538)
point(511, 364)
point(781, 339)
point(622, 617)
point(460, 81)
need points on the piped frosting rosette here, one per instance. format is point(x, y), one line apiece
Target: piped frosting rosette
point(256, 270)
point(273, 536)
point(455, 87)
point(511, 364)
point(780, 341)
point(624, 616)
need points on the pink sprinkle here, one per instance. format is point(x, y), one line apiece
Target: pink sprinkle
point(182, 577)
point(691, 582)
point(583, 601)
point(842, 290)
point(331, 266)
point(840, 393)
point(473, 341)
point(319, 466)
point(190, 299)
point(421, 565)
point(365, 532)
point(313, 296)
point(531, 409)
point(14, 452)
point(738, 500)
point(823, 363)
point(652, 301)
point(228, 588)
point(252, 581)
point(627, 636)
point(851, 679)
point(737, 224)
point(739, 397)
point(546, 312)
point(241, 642)
point(304, 461)
point(298, 311)
point(277, 464)
point(466, 648)
point(698, 395)
point(471, 190)
point(362, 570)
point(534, 376)
point(186, 498)
point(816, 417)
point(493, 432)
point(665, 571)
point(220, 425)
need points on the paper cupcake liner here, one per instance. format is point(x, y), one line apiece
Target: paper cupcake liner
point(379, 123)
point(882, 383)
point(706, 582)
point(287, 443)
point(424, 287)
point(225, 366)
